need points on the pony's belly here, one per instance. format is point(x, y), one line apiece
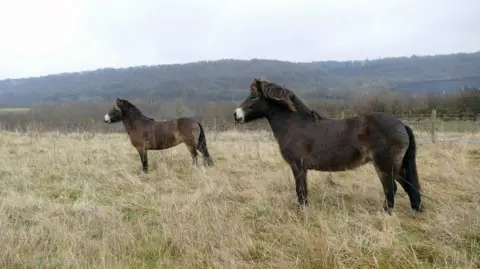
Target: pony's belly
point(337, 167)
point(338, 162)
point(164, 142)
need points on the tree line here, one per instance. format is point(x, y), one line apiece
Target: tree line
point(227, 80)
point(89, 115)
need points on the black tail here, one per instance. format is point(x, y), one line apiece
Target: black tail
point(409, 172)
point(202, 146)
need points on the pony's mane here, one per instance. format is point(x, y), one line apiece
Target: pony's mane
point(281, 95)
point(134, 110)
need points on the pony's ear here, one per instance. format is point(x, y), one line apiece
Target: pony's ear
point(118, 102)
point(259, 80)
point(256, 86)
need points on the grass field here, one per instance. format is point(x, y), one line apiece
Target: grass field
point(81, 201)
point(19, 110)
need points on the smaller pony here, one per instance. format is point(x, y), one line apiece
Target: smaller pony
point(147, 134)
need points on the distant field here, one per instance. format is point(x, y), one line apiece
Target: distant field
point(456, 126)
point(14, 110)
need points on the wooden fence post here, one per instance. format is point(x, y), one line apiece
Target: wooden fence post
point(434, 125)
point(215, 128)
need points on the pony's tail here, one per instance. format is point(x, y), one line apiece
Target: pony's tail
point(410, 174)
point(202, 146)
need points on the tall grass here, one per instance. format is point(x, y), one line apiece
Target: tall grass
point(81, 201)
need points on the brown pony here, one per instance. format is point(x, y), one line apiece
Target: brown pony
point(309, 141)
point(147, 134)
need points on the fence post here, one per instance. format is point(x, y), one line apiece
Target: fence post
point(476, 124)
point(434, 125)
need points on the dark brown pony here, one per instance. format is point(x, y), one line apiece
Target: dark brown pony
point(309, 141)
point(147, 134)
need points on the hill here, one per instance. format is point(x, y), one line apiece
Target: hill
point(228, 79)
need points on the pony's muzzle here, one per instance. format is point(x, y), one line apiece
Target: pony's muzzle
point(239, 115)
point(107, 119)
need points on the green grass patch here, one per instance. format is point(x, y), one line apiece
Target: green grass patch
point(18, 110)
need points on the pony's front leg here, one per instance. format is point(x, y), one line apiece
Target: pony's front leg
point(300, 175)
point(143, 159)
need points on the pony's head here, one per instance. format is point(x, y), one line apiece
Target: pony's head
point(263, 96)
point(114, 115)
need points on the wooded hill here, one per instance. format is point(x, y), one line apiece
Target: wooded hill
point(229, 79)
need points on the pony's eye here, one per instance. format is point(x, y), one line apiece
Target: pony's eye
point(253, 97)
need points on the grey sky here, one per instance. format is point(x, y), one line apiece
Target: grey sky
point(54, 36)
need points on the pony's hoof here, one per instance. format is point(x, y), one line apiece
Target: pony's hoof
point(388, 210)
point(418, 208)
point(302, 206)
point(208, 163)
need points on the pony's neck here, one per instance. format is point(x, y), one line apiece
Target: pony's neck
point(128, 123)
point(279, 117)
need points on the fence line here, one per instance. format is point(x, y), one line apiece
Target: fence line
point(433, 124)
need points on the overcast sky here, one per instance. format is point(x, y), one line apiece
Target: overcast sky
point(54, 36)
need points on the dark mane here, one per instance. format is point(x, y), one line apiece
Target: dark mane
point(131, 108)
point(282, 96)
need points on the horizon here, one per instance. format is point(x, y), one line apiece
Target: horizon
point(235, 59)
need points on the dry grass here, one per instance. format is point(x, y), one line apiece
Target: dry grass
point(76, 201)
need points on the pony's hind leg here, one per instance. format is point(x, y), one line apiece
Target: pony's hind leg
point(193, 152)
point(387, 169)
point(389, 189)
